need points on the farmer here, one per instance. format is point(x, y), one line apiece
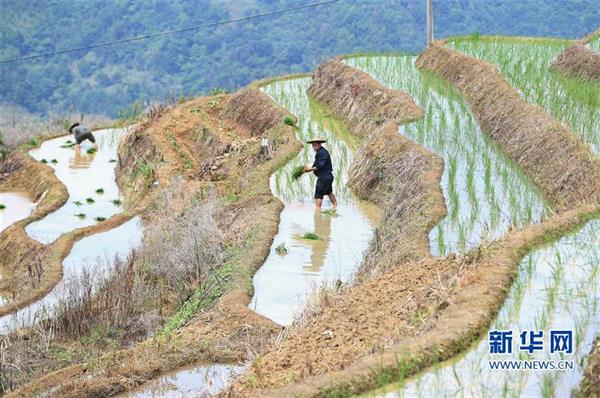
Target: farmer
point(324, 172)
point(81, 134)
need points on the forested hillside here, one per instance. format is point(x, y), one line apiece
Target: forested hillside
point(106, 80)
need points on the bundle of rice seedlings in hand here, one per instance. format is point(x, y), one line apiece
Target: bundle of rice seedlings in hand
point(297, 172)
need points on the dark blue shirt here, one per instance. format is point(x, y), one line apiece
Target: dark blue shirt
point(323, 163)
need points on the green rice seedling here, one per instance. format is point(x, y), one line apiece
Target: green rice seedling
point(54, 161)
point(90, 200)
point(329, 211)
point(2, 206)
point(112, 161)
point(100, 191)
point(311, 236)
point(117, 202)
point(91, 150)
point(44, 161)
point(77, 203)
point(289, 121)
point(297, 172)
point(81, 216)
point(33, 142)
point(68, 144)
point(281, 249)
point(100, 219)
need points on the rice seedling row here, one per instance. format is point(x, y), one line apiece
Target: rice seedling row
point(485, 192)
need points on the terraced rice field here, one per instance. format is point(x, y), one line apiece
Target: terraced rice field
point(285, 281)
point(485, 192)
point(556, 287)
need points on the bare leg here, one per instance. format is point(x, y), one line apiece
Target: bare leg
point(318, 203)
point(333, 200)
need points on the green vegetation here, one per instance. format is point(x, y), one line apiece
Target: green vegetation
point(114, 77)
point(91, 150)
point(77, 203)
point(99, 219)
point(297, 172)
point(112, 161)
point(2, 206)
point(485, 192)
point(33, 142)
point(289, 121)
point(311, 236)
point(54, 161)
point(68, 144)
point(100, 191)
point(117, 202)
point(80, 215)
point(146, 172)
point(90, 200)
point(44, 161)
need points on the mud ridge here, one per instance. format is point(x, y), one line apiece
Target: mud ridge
point(224, 332)
point(579, 61)
point(358, 99)
point(560, 164)
point(590, 384)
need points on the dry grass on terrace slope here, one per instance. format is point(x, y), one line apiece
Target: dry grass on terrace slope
point(590, 385)
point(579, 61)
point(224, 332)
point(403, 178)
point(557, 161)
point(358, 99)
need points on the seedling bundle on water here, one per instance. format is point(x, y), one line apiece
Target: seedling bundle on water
point(100, 191)
point(91, 150)
point(2, 207)
point(311, 236)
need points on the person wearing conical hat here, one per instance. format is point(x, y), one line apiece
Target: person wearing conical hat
point(324, 171)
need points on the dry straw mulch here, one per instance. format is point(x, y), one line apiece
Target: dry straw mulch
point(560, 164)
point(355, 97)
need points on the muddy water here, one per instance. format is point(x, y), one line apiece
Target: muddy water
point(82, 174)
point(485, 192)
point(557, 288)
point(285, 281)
point(18, 206)
point(196, 381)
point(91, 256)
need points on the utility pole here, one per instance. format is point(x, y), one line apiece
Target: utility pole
point(429, 22)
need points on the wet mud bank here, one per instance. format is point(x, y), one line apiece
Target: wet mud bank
point(239, 173)
point(358, 99)
point(590, 385)
point(579, 61)
point(562, 166)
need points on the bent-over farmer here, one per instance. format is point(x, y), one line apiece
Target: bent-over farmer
point(81, 134)
point(324, 171)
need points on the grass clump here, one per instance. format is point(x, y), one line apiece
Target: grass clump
point(100, 219)
point(77, 203)
point(91, 150)
point(297, 172)
point(2, 206)
point(90, 200)
point(33, 142)
point(311, 236)
point(281, 249)
point(100, 191)
point(117, 202)
point(54, 161)
point(44, 161)
point(81, 216)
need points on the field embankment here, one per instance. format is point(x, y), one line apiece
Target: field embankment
point(196, 146)
point(362, 102)
point(560, 164)
point(590, 385)
point(579, 61)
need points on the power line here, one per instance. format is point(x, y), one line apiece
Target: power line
point(165, 33)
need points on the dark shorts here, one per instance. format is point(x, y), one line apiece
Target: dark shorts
point(82, 137)
point(324, 186)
